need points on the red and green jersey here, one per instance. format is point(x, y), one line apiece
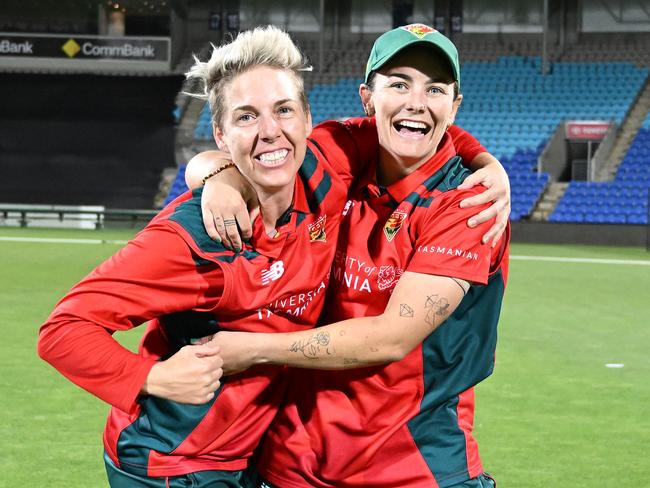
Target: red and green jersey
point(274, 285)
point(407, 424)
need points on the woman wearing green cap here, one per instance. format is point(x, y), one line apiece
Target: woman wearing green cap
point(413, 302)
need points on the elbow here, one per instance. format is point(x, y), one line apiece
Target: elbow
point(43, 344)
point(390, 346)
point(394, 352)
point(50, 342)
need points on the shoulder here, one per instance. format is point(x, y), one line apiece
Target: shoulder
point(184, 216)
point(448, 177)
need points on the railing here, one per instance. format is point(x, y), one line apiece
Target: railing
point(70, 216)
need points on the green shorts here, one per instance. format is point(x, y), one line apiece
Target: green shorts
point(118, 478)
point(482, 481)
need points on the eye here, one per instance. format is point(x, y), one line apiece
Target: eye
point(285, 110)
point(436, 90)
point(245, 118)
point(399, 85)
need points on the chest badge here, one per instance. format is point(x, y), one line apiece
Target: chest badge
point(394, 224)
point(317, 230)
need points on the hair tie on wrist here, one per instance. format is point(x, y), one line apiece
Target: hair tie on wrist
point(216, 172)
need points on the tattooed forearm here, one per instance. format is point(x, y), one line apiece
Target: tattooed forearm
point(436, 306)
point(316, 346)
point(405, 310)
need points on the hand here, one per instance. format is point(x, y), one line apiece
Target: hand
point(190, 376)
point(495, 179)
point(225, 211)
point(237, 350)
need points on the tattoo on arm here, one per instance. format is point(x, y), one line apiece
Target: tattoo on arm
point(436, 306)
point(405, 310)
point(316, 346)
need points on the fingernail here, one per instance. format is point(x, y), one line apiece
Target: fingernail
point(472, 222)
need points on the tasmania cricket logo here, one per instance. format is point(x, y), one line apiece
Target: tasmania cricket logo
point(317, 230)
point(419, 30)
point(394, 224)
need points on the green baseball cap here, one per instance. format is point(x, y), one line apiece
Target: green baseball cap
point(392, 42)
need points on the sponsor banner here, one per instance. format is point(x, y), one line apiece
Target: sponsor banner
point(593, 130)
point(84, 47)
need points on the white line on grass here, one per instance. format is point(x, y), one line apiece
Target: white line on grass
point(54, 240)
point(554, 259)
point(559, 259)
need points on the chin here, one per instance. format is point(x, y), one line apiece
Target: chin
point(277, 182)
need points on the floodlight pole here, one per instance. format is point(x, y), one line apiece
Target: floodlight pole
point(544, 40)
point(321, 41)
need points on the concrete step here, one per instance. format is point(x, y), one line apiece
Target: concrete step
point(552, 195)
point(629, 129)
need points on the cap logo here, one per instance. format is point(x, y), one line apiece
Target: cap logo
point(418, 30)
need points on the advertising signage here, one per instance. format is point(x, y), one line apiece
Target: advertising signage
point(590, 130)
point(84, 47)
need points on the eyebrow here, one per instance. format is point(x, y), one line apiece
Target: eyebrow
point(408, 78)
point(283, 101)
point(250, 108)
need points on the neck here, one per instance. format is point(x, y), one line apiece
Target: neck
point(392, 169)
point(273, 204)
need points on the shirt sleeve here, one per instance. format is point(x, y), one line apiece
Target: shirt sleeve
point(466, 145)
point(446, 246)
point(349, 146)
point(153, 275)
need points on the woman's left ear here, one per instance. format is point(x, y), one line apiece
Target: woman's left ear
point(366, 99)
point(454, 110)
point(218, 138)
point(308, 124)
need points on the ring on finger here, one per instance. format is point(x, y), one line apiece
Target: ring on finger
point(230, 222)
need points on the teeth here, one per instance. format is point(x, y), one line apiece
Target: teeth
point(413, 124)
point(270, 157)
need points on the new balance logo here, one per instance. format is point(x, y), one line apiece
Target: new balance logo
point(275, 271)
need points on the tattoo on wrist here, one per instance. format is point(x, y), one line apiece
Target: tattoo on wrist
point(315, 347)
point(405, 310)
point(436, 306)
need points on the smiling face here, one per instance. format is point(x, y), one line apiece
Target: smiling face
point(413, 101)
point(265, 127)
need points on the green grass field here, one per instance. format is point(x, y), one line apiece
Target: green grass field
point(552, 416)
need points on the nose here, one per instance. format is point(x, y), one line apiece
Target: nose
point(269, 128)
point(416, 102)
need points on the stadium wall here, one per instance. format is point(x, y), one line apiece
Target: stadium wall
point(583, 233)
point(85, 139)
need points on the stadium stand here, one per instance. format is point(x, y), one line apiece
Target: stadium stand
point(524, 108)
point(178, 185)
point(624, 200)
